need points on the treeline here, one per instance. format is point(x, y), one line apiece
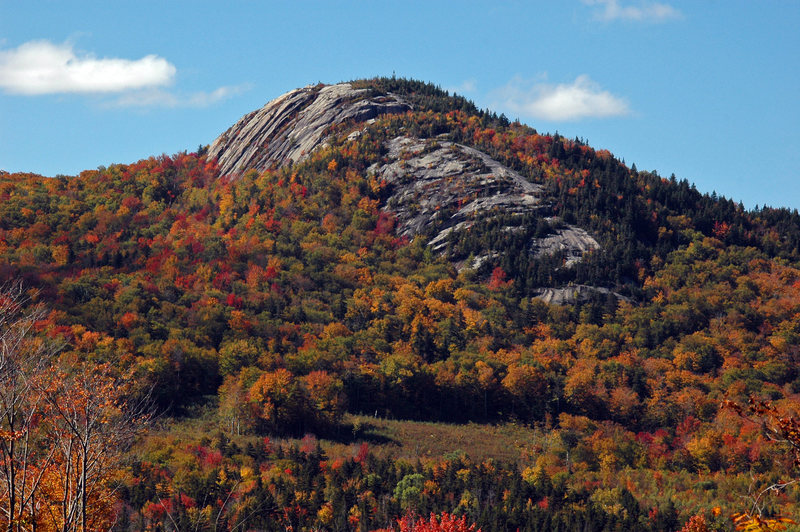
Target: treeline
point(425, 96)
point(269, 486)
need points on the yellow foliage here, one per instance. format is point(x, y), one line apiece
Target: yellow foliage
point(755, 523)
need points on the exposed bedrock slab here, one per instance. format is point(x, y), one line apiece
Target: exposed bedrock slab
point(572, 294)
point(291, 126)
point(573, 241)
point(449, 185)
point(431, 177)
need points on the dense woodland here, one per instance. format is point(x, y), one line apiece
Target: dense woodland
point(277, 307)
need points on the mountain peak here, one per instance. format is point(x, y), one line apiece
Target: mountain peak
point(435, 186)
point(291, 126)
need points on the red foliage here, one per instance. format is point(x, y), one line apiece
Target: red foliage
point(544, 504)
point(234, 301)
point(187, 502)
point(498, 279)
point(385, 224)
point(721, 229)
point(209, 458)
point(444, 523)
point(697, 523)
point(222, 280)
point(298, 190)
point(363, 452)
point(156, 511)
point(308, 443)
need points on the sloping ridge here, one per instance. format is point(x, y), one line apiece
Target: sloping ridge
point(291, 126)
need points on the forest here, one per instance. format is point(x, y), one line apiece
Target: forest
point(184, 350)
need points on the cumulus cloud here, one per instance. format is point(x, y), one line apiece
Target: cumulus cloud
point(162, 98)
point(41, 67)
point(583, 98)
point(645, 11)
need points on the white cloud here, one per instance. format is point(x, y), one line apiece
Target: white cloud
point(469, 85)
point(645, 11)
point(162, 98)
point(582, 98)
point(41, 67)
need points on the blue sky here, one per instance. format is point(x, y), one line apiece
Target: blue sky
point(709, 90)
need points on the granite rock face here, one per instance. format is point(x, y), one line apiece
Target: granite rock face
point(573, 241)
point(429, 178)
point(291, 126)
point(441, 184)
point(574, 294)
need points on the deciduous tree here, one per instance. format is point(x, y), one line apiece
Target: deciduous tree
point(23, 359)
point(90, 425)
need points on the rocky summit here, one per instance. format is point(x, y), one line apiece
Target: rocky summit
point(291, 126)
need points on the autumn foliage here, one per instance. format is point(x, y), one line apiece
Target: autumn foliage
point(282, 303)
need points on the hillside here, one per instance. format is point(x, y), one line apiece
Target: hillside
point(383, 248)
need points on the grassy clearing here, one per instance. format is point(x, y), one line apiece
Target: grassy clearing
point(411, 440)
point(407, 440)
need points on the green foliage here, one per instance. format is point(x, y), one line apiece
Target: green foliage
point(408, 491)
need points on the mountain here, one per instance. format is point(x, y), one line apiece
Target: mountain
point(383, 249)
point(440, 182)
point(438, 188)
